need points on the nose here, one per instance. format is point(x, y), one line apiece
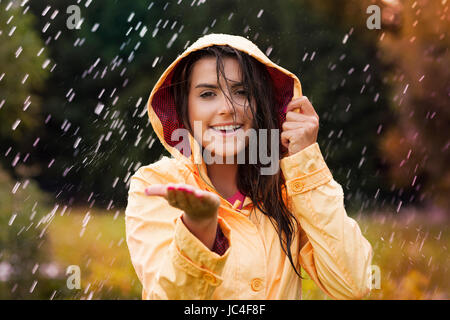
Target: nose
point(226, 106)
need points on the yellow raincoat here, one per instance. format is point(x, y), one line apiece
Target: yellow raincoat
point(172, 263)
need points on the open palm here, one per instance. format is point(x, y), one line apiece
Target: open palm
point(197, 204)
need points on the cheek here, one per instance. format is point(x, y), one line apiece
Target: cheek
point(198, 118)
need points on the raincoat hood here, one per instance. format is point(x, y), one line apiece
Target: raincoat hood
point(161, 105)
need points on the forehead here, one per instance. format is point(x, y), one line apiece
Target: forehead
point(204, 70)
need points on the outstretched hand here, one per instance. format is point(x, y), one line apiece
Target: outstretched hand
point(196, 203)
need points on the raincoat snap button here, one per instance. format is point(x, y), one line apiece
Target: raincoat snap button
point(209, 278)
point(297, 186)
point(257, 284)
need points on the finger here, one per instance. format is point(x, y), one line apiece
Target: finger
point(192, 200)
point(212, 198)
point(296, 104)
point(156, 190)
point(304, 105)
point(171, 196)
point(297, 117)
point(180, 196)
point(291, 125)
point(285, 135)
point(308, 109)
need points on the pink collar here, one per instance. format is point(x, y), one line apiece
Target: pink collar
point(237, 196)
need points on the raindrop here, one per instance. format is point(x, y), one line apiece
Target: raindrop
point(33, 286)
point(406, 88)
point(25, 78)
point(46, 63)
point(46, 27)
point(99, 108)
point(45, 10)
point(16, 159)
point(399, 206)
point(171, 41)
point(155, 62)
point(345, 38)
point(86, 219)
point(143, 31)
point(12, 31)
point(36, 142)
point(260, 13)
point(95, 27)
point(16, 186)
point(11, 220)
point(19, 50)
point(54, 15)
point(15, 124)
point(77, 142)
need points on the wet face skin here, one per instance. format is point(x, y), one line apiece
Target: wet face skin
point(220, 127)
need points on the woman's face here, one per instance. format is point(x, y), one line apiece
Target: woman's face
point(211, 113)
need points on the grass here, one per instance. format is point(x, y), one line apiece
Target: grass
point(95, 241)
point(412, 255)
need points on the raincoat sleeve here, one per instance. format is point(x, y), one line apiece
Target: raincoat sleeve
point(169, 260)
point(333, 251)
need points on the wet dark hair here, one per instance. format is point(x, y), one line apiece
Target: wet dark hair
point(265, 191)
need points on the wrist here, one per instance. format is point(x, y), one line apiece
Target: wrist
point(204, 229)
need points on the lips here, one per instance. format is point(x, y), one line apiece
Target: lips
point(226, 129)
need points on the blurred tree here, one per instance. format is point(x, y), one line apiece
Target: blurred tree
point(25, 67)
point(417, 148)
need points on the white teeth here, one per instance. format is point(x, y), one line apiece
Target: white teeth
point(226, 128)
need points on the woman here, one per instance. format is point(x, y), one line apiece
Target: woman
point(204, 225)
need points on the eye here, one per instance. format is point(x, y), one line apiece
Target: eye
point(207, 94)
point(241, 92)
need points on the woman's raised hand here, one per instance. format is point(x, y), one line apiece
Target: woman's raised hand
point(197, 204)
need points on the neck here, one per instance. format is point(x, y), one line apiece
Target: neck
point(223, 177)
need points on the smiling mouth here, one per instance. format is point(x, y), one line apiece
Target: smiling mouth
point(226, 129)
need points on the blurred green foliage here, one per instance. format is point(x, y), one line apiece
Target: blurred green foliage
point(22, 76)
point(27, 270)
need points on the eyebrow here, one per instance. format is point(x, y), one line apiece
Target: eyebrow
point(213, 86)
